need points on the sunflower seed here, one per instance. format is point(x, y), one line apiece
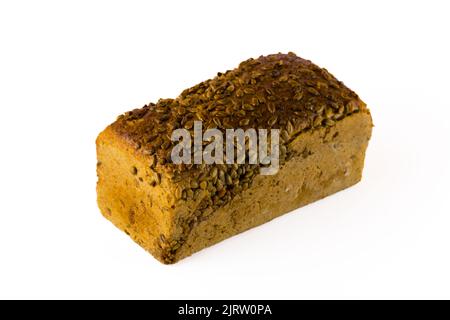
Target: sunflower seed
point(244, 122)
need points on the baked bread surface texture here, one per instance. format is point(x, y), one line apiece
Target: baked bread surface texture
point(173, 210)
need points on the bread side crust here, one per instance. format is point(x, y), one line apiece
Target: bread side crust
point(327, 160)
point(131, 195)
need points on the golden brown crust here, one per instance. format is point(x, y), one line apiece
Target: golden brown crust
point(329, 160)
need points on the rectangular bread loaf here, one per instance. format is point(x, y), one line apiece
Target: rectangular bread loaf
point(173, 210)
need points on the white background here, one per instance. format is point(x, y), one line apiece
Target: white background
point(68, 68)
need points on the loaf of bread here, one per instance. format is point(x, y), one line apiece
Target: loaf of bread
point(174, 210)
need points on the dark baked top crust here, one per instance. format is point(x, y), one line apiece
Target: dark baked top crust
point(281, 91)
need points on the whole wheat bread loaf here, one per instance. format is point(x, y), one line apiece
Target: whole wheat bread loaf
point(173, 210)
